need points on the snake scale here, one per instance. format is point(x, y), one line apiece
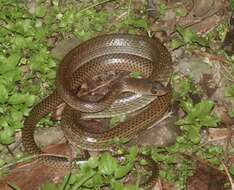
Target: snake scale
point(125, 52)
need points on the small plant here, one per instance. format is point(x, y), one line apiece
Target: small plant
point(187, 36)
point(99, 171)
point(197, 116)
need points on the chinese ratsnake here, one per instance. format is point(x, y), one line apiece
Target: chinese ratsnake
point(117, 52)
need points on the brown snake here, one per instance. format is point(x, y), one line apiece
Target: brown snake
point(126, 52)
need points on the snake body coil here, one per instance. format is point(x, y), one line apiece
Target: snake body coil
point(117, 52)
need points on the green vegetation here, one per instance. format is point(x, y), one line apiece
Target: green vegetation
point(27, 69)
point(100, 171)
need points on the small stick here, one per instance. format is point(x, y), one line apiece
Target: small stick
point(228, 175)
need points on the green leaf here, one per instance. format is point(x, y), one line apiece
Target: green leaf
point(3, 94)
point(186, 34)
point(14, 59)
point(176, 43)
point(187, 106)
point(141, 23)
point(2, 162)
point(107, 164)
point(231, 169)
point(162, 9)
point(132, 187)
point(121, 171)
point(209, 121)
point(93, 161)
point(50, 186)
point(191, 37)
point(133, 152)
point(180, 12)
point(231, 114)
point(203, 108)
point(13, 75)
point(30, 99)
point(6, 135)
point(17, 98)
point(194, 134)
point(115, 185)
point(97, 180)
point(229, 92)
point(16, 115)
point(41, 10)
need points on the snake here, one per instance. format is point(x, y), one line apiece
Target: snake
point(128, 52)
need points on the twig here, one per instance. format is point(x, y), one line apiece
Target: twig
point(193, 23)
point(17, 162)
point(228, 141)
point(120, 16)
point(211, 57)
point(228, 175)
point(129, 8)
point(162, 119)
point(96, 4)
point(9, 150)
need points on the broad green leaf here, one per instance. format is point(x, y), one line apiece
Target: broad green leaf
point(208, 121)
point(203, 108)
point(50, 186)
point(185, 121)
point(2, 162)
point(181, 12)
point(16, 115)
point(107, 164)
point(231, 169)
point(162, 9)
point(1, 109)
point(6, 135)
point(190, 36)
point(132, 187)
point(93, 161)
point(186, 34)
point(141, 23)
point(14, 59)
point(30, 99)
point(115, 185)
point(6, 67)
point(13, 75)
point(17, 98)
point(194, 134)
point(187, 106)
point(176, 43)
point(229, 92)
point(97, 180)
point(133, 152)
point(231, 114)
point(215, 150)
point(3, 94)
point(41, 10)
point(121, 171)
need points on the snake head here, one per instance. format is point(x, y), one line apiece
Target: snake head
point(158, 89)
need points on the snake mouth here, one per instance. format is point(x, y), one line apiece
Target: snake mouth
point(158, 89)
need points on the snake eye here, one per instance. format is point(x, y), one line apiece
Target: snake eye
point(158, 89)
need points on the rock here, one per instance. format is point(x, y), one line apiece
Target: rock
point(63, 47)
point(161, 135)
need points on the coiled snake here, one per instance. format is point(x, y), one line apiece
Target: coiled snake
point(116, 52)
